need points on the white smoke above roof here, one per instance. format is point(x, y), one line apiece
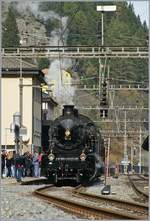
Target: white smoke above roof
point(64, 93)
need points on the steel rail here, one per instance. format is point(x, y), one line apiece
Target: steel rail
point(82, 209)
point(143, 177)
point(138, 208)
point(34, 181)
point(137, 189)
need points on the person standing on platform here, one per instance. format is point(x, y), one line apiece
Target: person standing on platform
point(36, 164)
point(40, 161)
point(19, 165)
point(3, 157)
point(9, 164)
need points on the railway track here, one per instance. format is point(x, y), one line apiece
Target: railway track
point(143, 177)
point(89, 206)
point(140, 184)
point(35, 181)
point(126, 206)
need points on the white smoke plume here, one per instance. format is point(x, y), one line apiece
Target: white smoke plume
point(62, 88)
point(63, 91)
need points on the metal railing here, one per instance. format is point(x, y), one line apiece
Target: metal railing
point(76, 52)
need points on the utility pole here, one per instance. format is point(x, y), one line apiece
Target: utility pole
point(102, 30)
point(99, 86)
point(21, 100)
point(125, 143)
point(131, 159)
point(16, 124)
point(105, 146)
point(107, 162)
point(140, 153)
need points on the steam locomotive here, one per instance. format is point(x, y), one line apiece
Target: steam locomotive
point(76, 150)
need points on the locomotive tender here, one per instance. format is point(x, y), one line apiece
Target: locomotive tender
point(76, 149)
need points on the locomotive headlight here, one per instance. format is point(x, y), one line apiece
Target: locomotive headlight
point(67, 134)
point(82, 157)
point(51, 157)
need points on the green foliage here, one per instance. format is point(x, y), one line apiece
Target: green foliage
point(122, 28)
point(50, 25)
point(43, 63)
point(10, 34)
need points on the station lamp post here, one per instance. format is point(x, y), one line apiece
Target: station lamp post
point(16, 123)
point(103, 9)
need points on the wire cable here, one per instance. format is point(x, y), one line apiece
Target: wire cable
point(73, 16)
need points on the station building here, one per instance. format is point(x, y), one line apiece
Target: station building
point(31, 103)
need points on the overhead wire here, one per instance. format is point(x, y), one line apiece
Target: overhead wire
point(115, 79)
point(73, 16)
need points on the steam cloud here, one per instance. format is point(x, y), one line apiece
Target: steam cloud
point(62, 89)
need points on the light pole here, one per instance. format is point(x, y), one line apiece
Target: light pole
point(6, 129)
point(103, 9)
point(16, 122)
point(21, 99)
point(140, 151)
point(125, 143)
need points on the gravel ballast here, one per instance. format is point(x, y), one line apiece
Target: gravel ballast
point(18, 203)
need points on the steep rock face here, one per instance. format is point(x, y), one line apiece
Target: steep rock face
point(32, 32)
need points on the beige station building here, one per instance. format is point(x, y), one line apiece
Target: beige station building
point(31, 103)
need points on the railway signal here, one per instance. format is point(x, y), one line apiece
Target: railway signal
point(44, 88)
point(104, 101)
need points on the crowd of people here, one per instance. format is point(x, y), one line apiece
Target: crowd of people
point(19, 166)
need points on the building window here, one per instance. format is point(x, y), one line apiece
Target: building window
point(45, 106)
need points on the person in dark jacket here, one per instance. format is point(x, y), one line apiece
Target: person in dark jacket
point(28, 165)
point(3, 157)
point(9, 164)
point(13, 165)
point(19, 162)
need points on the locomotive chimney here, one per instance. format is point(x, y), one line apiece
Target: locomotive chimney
point(68, 110)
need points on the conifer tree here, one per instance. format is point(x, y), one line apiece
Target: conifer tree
point(10, 34)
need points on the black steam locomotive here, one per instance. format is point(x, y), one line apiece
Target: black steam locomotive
point(76, 149)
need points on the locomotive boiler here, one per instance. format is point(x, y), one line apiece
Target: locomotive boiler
point(76, 149)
